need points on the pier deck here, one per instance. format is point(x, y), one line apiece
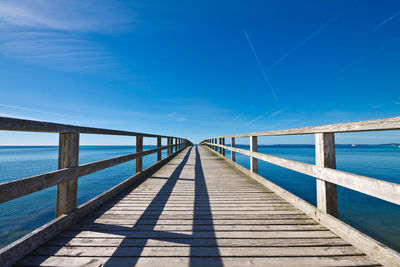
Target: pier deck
point(197, 210)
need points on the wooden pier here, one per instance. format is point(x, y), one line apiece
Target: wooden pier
point(197, 208)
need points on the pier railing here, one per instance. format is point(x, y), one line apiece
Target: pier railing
point(69, 170)
point(324, 170)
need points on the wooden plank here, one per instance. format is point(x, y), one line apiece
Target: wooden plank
point(325, 157)
point(68, 157)
point(357, 126)
point(129, 221)
point(171, 242)
point(198, 252)
point(215, 217)
point(374, 187)
point(200, 228)
point(200, 235)
point(200, 261)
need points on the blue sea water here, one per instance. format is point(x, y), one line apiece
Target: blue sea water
point(372, 216)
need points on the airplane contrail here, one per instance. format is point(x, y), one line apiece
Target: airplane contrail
point(377, 27)
point(323, 26)
point(260, 65)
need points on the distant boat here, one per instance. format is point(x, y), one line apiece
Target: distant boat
point(355, 145)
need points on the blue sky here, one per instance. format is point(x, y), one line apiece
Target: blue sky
point(199, 68)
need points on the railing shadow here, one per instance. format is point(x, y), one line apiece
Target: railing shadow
point(202, 205)
point(153, 212)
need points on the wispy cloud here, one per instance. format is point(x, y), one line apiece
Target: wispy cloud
point(28, 109)
point(267, 114)
point(242, 113)
point(261, 67)
point(377, 27)
point(60, 33)
point(65, 15)
point(322, 27)
point(363, 57)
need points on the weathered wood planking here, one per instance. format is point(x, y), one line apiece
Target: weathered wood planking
point(197, 210)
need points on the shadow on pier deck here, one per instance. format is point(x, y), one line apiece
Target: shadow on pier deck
point(197, 210)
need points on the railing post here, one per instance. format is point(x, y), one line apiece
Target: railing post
point(325, 157)
point(173, 143)
point(253, 161)
point(169, 142)
point(232, 152)
point(176, 144)
point(139, 148)
point(223, 143)
point(215, 142)
point(158, 146)
point(68, 156)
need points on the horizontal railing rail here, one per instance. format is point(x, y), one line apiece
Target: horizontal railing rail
point(12, 124)
point(386, 124)
point(324, 169)
point(68, 161)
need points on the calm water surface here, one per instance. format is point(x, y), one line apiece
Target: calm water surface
point(377, 218)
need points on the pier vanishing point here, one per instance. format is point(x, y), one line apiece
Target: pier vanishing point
point(197, 207)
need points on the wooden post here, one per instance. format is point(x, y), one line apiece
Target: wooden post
point(325, 157)
point(223, 149)
point(174, 143)
point(68, 156)
point(232, 152)
point(215, 142)
point(159, 145)
point(139, 148)
point(253, 161)
point(169, 142)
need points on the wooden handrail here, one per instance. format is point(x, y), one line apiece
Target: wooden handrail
point(12, 124)
point(347, 127)
point(22, 187)
point(325, 168)
point(66, 178)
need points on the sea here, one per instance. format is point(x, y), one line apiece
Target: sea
point(377, 218)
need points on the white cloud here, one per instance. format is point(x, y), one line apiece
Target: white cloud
point(59, 33)
point(83, 15)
